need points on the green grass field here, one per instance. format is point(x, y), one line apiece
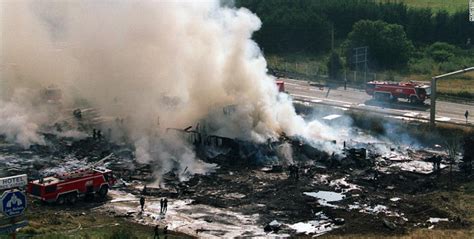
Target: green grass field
point(448, 5)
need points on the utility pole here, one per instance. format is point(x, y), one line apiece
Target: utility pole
point(332, 37)
point(433, 91)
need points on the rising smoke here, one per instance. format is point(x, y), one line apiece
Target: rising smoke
point(145, 61)
point(156, 64)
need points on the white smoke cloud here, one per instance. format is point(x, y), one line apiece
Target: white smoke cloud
point(19, 122)
point(144, 61)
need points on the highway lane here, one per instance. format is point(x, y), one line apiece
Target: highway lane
point(358, 99)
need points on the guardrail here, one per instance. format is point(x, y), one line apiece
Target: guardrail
point(379, 112)
point(323, 80)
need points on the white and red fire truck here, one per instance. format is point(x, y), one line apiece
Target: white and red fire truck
point(69, 187)
point(415, 93)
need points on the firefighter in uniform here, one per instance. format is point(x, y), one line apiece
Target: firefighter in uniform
point(142, 202)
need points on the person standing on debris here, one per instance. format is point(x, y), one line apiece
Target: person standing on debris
point(437, 161)
point(466, 115)
point(94, 133)
point(142, 202)
point(290, 168)
point(144, 192)
point(165, 205)
point(375, 179)
point(161, 205)
point(99, 134)
point(157, 233)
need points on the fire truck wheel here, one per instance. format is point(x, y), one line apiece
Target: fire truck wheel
point(103, 191)
point(72, 198)
point(61, 200)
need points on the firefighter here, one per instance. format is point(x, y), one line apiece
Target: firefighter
point(157, 233)
point(466, 115)
point(99, 134)
point(437, 161)
point(94, 133)
point(161, 205)
point(144, 191)
point(292, 171)
point(142, 202)
point(165, 206)
point(375, 179)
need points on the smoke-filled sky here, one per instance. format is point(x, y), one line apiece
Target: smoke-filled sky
point(156, 64)
point(172, 62)
point(140, 54)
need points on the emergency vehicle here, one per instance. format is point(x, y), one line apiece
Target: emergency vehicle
point(69, 187)
point(415, 93)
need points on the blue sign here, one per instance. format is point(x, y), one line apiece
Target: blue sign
point(13, 203)
point(12, 227)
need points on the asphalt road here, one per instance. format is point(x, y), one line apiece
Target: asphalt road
point(359, 100)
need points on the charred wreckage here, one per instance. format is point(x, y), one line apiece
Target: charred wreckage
point(287, 186)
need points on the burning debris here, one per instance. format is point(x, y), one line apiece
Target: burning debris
point(215, 136)
point(287, 180)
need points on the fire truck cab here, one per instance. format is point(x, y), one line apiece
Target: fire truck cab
point(69, 187)
point(281, 85)
point(415, 93)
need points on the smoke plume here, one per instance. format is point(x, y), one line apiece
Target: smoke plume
point(156, 64)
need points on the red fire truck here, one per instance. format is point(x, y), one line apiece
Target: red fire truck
point(280, 85)
point(69, 187)
point(415, 93)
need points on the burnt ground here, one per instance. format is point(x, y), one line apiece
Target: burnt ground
point(273, 195)
point(421, 197)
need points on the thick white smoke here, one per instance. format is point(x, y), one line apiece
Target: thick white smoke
point(145, 61)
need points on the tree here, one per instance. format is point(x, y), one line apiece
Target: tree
point(388, 44)
point(334, 65)
point(441, 51)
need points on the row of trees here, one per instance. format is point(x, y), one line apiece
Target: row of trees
point(389, 28)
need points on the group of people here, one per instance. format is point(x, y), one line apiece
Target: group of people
point(163, 204)
point(294, 171)
point(163, 209)
point(97, 134)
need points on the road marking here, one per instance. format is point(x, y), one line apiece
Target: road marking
point(376, 109)
point(320, 99)
point(443, 119)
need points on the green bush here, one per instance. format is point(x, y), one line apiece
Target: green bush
point(441, 51)
point(421, 66)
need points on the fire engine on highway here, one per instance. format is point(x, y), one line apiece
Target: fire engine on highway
point(69, 187)
point(415, 93)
